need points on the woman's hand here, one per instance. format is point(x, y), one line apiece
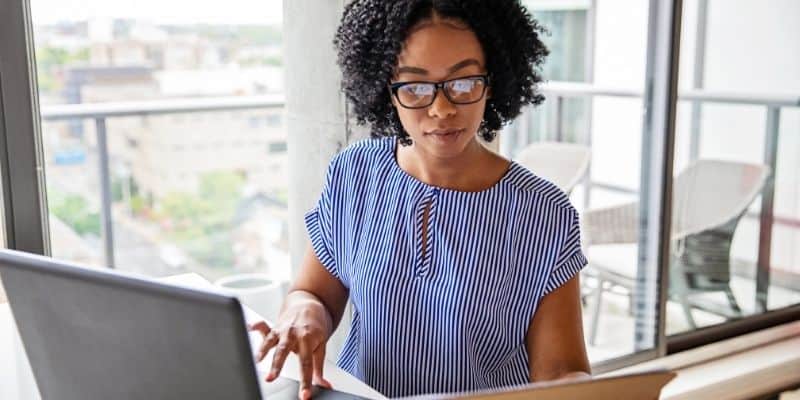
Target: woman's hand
point(310, 313)
point(303, 327)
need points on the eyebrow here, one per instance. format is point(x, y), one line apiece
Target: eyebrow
point(454, 68)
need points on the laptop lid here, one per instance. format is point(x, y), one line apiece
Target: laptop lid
point(98, 334)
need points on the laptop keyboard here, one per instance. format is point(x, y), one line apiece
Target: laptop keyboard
point(288, 389)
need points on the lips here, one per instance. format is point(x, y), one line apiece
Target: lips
point(444, 132)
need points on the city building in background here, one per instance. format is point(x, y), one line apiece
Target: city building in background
point(179, 178)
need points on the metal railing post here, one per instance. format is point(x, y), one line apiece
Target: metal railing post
point(559, 122)
point(694, 130)
point(701, 32)
point(521, 135)
point(105, 192)
point(767, 208)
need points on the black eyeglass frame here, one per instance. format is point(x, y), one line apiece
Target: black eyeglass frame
point(439, 86)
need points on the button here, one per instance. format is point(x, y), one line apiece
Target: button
point(436, 191)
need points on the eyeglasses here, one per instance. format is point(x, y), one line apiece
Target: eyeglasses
point(466, 90)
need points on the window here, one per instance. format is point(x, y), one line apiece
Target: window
point(727, 259)
point(736, 209)
point(165, 71)
point(589, 46)
point(568, 40)
point(159, 86)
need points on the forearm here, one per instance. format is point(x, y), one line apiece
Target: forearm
point(560, 374)
point(573, 375)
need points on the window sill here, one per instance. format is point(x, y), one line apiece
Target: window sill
point(747, 366)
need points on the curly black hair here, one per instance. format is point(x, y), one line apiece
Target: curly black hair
point(372, 33)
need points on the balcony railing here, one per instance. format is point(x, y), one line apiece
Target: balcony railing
point(556, 92)
point(100, 112)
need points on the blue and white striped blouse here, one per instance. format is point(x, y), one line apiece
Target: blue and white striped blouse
point(453, 315)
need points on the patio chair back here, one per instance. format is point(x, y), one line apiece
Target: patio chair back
point(564, 164)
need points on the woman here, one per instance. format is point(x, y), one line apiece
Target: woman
point(461, 265)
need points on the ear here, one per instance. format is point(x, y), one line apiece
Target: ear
point(392, 99)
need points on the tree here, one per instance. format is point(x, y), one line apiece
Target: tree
point(201, 223)
point(50, 59)
point(74, 211)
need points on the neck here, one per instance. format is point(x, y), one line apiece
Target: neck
point(467, 172)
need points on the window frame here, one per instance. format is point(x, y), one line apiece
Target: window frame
point(22, 164)
point(26, 222)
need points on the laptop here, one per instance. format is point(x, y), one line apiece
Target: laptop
point(99, 334)
point(96, 334)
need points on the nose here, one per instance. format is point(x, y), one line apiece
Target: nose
point(442, 107)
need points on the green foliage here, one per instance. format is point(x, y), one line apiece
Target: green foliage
point(249, 35)
point(214, 250)
point(282, 195)
point(50, 59)
point(117, 184)
point(138, 204)
point(201, 224)
point(260, 35)
point(273, 61)
point(74, 211)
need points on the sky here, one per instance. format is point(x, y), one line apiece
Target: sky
point(160, 11)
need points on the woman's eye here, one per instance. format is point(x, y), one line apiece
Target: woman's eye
point(463, 85)
point(419, 90)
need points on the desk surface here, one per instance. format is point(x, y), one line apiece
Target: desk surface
point(340, 379)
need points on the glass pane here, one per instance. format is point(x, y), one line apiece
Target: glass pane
point(591, 146)
point(188, 190)
point(165, 145)
point(722, 234)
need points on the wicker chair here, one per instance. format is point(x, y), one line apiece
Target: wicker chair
point(709, 199)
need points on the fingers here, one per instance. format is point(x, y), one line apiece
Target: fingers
point(302, 335)
point(269, 335)
point(260, 326)
point(319, 363)
point(285, 346)
point(305, 351)
point(270, 341)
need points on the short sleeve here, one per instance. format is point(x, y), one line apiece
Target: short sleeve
point(570, 258)
point(320, 221)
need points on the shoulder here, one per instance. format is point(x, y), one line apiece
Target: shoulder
point(538, 189)
point(361, 162)
point(364, 153)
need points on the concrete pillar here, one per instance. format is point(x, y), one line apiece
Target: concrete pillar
point(315, 118)
point(315, 111)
